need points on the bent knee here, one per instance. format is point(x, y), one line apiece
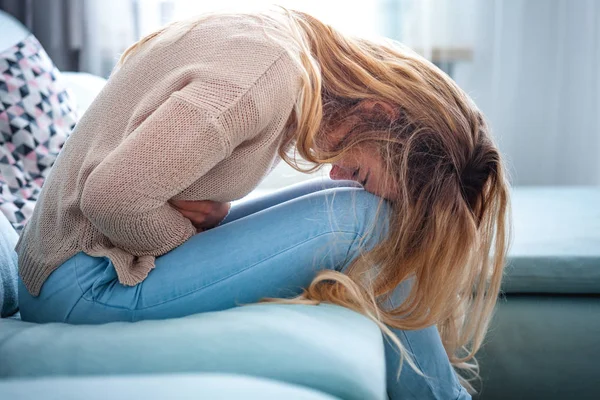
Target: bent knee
point(358, 210)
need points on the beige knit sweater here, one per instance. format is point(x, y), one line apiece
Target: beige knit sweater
point(199, 118)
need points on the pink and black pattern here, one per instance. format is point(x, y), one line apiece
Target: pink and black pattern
point(37, 114)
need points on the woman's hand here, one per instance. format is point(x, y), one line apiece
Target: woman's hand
point(204, 214)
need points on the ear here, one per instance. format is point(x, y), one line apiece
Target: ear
point(371, 106)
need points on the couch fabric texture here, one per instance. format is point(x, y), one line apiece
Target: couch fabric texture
point(327, 348)
point(157, 387)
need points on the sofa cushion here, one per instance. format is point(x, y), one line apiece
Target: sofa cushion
point(328, 348)
point(8, 269)
point(156, 387)
point(37, 114)
point(556, 244)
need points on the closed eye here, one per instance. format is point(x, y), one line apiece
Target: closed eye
point(364, 181)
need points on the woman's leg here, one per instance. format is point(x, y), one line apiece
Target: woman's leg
point(64, 288)
point(440, 380)
point(427, 351)
point(244, 207)
point(272, 253)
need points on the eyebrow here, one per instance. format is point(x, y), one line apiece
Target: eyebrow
point(343, 142)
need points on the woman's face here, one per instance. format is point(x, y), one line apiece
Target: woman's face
point(363, 165)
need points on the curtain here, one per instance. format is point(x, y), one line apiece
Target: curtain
point(532, 66)
point(536, 73)
point(50, 22)
point(109, 29)
point(79, 35)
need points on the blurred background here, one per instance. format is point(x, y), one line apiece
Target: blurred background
point(533, 66)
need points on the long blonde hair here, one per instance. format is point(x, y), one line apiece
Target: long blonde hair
point(449, 226)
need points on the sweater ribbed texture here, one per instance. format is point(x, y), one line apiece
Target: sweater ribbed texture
point(199, 118)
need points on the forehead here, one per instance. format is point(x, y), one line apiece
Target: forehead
point(334, 138)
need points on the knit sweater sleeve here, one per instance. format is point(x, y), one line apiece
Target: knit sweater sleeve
point(126, 195)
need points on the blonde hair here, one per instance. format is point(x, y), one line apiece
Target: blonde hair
point(449, 225)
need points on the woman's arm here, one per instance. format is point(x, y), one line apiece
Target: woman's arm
point(126, 196)
point(204, 214)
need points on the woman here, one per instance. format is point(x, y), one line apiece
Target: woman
point(133, 222)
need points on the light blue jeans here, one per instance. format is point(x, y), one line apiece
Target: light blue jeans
point(268, 247)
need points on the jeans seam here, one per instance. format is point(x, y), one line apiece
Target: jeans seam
point(356, 236)
point(66, 319)
point(91, 299)
point(80, 288)
point(461, 390)
point(241, 271)
point(416, 361)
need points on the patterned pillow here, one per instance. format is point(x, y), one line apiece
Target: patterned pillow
point(37, 114)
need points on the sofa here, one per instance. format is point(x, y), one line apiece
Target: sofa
point(543, 342)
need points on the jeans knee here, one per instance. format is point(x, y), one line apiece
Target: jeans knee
point(364, 213)
point(365, 205)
